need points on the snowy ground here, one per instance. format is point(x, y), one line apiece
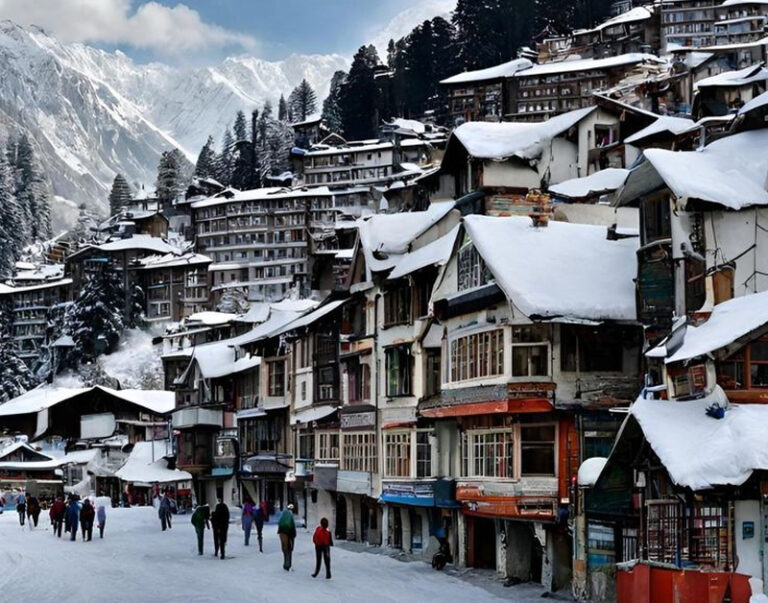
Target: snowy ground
point(138, 562)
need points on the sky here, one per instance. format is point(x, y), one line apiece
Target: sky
point(208, 30)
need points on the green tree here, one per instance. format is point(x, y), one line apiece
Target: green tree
point(302, 102)
point(206, 160)
point(120, 195)
point(332, 103)
point(359, 95)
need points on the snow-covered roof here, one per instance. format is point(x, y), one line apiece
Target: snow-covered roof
point(41, 398)
point(699, 451)
point(741, 77)
point(664, 123)
point(76, 457)
point(590, 470)
point(729, 321)
point(171, 260)
point(38, 272)
point(139, 241)
point(635, 15)
point(350, 148)
point(435, 253)
point(496, 72)
point(314, 413)
point(311, 119)
point(740, 2)
point(4, 452)
point(728, 171)
point(257, 313)
point(140, 467)
point(256, 194)
point(212, 319)
point(757, 102)
point(408, 124)
point(603, 181)
point(385, 237)
point(216, 360)
point(488, 140)
point(569, 66)
point(46, 285)
point(735, 46)
point(312, 316)
point(563, 270)
point(277, 320)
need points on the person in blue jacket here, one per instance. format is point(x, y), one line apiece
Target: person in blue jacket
point(72, 518)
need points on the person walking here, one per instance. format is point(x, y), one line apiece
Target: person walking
point(33, 510)
point(258, 520)
point(87, 515)
point(21, 507)
point(164, 511)
point(102, 502)
point(71, 518)
point(286, 530)
point(220, 523)
point(247, 519)
point(200, 520)
point(58, 509)
point(323, 542)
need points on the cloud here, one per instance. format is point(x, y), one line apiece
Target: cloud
point(161, 29)
point(402, 23)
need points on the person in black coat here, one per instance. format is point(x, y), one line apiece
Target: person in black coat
point(87, 514)
point(220, 525)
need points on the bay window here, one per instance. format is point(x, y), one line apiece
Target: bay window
point(359, 451)
point(408, 454)
point(477, 355)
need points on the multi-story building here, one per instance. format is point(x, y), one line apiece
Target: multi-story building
point(739, 21)
point(688, 23)
point(27, 298)
point(175, 286)
point(636, 30)
point(552, 88)
point(480, 95)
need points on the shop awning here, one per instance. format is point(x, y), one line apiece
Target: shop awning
point(314, 413)
point(260, 465)
point(412, 501)
point(511, 406)
point(399, 424)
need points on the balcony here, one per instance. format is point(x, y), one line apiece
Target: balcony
point(197, 416)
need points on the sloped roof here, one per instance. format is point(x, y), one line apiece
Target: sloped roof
point(40, 398)
point(664, 123)
point(741, 77)
point(603, 181)
point(496, 72)
point(563, 270)
point(140, 466)
point(435, 253)
point(487, 140)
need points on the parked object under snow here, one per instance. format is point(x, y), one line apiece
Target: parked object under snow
point(590, 470)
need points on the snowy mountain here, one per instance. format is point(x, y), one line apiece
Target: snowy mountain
point(92, 113)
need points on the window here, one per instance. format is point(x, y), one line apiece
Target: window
point(758, 364)
point(303, 353)
point(424, 453)
point(359, 451)
point(397, 306)
point(472, 269)
point(397, 450)
point(477, 355)
point(537, 450)
point(488, 453)
point(276, 372)
point(422, 290)
point(399, 365)
point(746, 369)
point(590, 348)
point(358, 381)
point(307, 446)
point(328, 446)
point(432, 373)
point(530, 351)
point(654, 218)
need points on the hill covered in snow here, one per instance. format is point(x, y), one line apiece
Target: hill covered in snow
point(91, 113)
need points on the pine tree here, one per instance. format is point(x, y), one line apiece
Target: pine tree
point(96, 321)
point(12, 227)
point(224, 163)
point(15, 376)
point(241, 127)
point(120, 195)
point(33, 192)
point(206, 160)
point(332, 104)
point(391, 53)
point(168, 178)
point(275, 140)
point(359, 95)
point(86, 222)
point(282, 109)
point(302, 102)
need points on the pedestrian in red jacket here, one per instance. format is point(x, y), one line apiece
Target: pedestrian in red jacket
point(323, 543)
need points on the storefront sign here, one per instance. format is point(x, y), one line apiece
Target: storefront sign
point(407, 490)
point(475, 500)
point(358, 420)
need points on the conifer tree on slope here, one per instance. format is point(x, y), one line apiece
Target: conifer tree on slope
point(302, 102)
point(15, 376)
point(120, 195)
point(33, 192)
point(206, 160)
point(241, 127)
point(170, 176)
point(282, 109)
point(332, 103)
point(95, 321)
point(12, 227)
point(359, 96)
point(224, 163)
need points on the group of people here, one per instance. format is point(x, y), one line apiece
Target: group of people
point(255, 515)
point(28, 508)
point(74, 514)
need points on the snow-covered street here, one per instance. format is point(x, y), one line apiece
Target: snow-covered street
point(136, 561)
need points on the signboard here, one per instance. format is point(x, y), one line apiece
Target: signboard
point(407, 490)
point(101, 425)
point(358, 420)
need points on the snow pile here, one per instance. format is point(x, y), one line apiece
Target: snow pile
point(562, 270)
point(590, 470)
point(728, 171)
point(218, 360)
point(499, 141)
point(663, 124)
point(496, 72)
point(136, 364)
point(147, 464)
point(603, 181)
point(728, 322)
point(699, 451)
